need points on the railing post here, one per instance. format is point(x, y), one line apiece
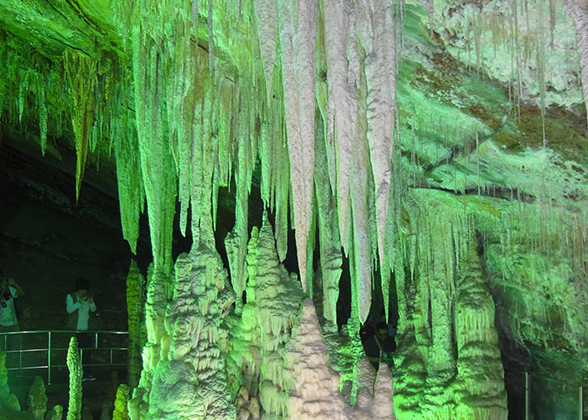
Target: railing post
point(527, 396)
point(581, 403)
point(49, 358)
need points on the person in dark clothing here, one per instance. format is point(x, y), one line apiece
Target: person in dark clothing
point(379, 348)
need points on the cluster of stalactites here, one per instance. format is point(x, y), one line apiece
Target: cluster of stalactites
point(355, 48)
point(196, 124)
point(201, 91)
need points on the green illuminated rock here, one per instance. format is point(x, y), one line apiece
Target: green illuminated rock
point(438, 147)
point(74, 364)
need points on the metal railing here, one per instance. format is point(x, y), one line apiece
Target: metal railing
point(50, 348)
point(530, 377)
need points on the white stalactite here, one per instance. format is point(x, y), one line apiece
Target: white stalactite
point(267, 30)
point(298, 34)
point(342, 105)
point(380, 69)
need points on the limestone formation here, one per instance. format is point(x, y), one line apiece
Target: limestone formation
point(37, 399)
point(135, 308)
point(7, 400)
point(121, 411)
point(74, 364)
point(56, 413)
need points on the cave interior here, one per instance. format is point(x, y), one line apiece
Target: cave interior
point(282, 175)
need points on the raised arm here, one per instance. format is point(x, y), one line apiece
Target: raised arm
point(70, 305)
point(92, 304)
point(19, 290)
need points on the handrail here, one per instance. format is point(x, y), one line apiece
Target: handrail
point(50, 348)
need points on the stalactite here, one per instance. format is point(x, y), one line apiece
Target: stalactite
point(236, 240)
point(380, 68)
point(361, 251)
point(331, 258)
point(298, 33)
point(74, 364)
point(283, 194)
point(156, 162)
point(81, 75)
point(342, 63)
point(266, 12)
point(43, 115)
point(128, 161)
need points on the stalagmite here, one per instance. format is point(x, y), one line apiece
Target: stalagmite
point(37, 399)
point(120, 404)
point(157, 341)
point(480, 382)
point(8, 400)
point(315, 385)
point(315, 393)
point(74, 364)
point(277, 297)
point(136, 314)
point(190, 380)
